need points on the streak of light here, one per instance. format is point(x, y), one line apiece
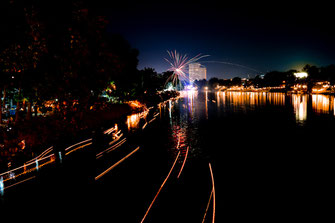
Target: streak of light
point(116, 139)
point(210, 168)
point(181, 169)
point(38, 161)
point(79, 147)
point(2, 186)
point(110, 130)
point(112, 148)
point(19, 182)
point(145, 125)
point(233, 64)
point(77, 144)
point(206, 105)
point(116, 164)
point(152, 202)
point(209, 201)
point(40, 156)
point(153, 119)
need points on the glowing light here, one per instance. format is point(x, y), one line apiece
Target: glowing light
point(213, 189)
point(301, 75)
point(133, 120)
point(60, 156)
point(135, 104)
point(300, 106)
point(116, 164)
point(209, 201)
point(2, 187)
point(36, 164)
point(152, 202)
point(181, 169)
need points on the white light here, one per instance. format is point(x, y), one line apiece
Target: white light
point(2, 187)
point(301, 74)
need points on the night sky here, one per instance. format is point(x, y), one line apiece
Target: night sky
point(267, 36)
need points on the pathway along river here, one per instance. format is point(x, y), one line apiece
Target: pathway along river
point(270, 154)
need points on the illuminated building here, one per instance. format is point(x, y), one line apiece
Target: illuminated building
point(196, 72)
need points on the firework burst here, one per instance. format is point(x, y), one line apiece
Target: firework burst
point(178, 64)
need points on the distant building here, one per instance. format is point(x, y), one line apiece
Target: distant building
point(196, 72)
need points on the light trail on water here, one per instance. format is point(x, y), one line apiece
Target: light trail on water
point(116, 164)
point(162, 185)
point(181, 169)
point(209, 201)
point(213, 189)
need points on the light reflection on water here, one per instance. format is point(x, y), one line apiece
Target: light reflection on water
point(133, 121)
point(300, 107)
point(323, 104)
point(246, 101)
point(267, 139)
point(193, 107)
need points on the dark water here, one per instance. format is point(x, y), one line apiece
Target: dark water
point(270, 154)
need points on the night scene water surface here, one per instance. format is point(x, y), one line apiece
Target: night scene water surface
point(270, 155)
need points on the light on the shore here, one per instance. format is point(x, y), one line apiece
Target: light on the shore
point(301, 75)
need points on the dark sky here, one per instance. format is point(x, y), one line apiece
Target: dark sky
point(264, 36)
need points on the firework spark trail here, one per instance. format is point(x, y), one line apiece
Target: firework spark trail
point(178, 64)
point(234, 64)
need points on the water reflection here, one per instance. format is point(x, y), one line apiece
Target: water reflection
point(206, 104)
point(253, 99)
point(323, 104)
point(188, 115)
point(201, 103)
point(300, 107)
point(133, 121)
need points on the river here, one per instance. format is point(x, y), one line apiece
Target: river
point(270, 154)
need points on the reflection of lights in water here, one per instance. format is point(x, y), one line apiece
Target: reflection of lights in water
point(252, 99)
point(300, 106)
point(323, 103)
point(206, 105)
point(170, 115)
point(190, 98)
point(133, 120)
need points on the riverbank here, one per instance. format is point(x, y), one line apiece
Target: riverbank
point(23, 141)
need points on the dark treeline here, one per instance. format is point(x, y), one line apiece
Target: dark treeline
point(65, 51)
point(277, 78)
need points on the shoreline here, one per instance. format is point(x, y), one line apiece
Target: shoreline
point(42, 132)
